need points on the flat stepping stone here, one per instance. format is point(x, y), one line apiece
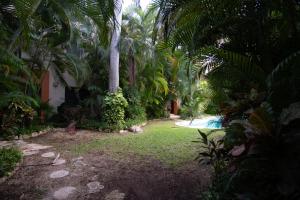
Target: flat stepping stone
point(115, 195)
point(29, 152)
point(32, 146)
point(59, 174)
point(48, 155)
point(78, 158)
point(59, 161)
point(94, 187)
point(20, 142)
point(79, 163)
point(64, 192)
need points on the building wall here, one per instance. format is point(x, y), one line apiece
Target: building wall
point(56, 90)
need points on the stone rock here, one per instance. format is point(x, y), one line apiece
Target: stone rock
point(59, 161)
point(5, 144)
point(94, 178)
point(136, 129)
point(32, 146)
point(20, 142)
point(123, 131)
point(71, 129)
point(115, 195)
point(94, 187)
point(29, 152)
point(48, 155)
point(59, 174)
point(64, 193)
point(92, 168)
point(75, 159)
point(79, 163)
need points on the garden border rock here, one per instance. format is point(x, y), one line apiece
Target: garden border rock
point(35, 134)
point(137, 128)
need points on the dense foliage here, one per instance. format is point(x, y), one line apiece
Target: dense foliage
point(237, 58)
point(135, 111)
point(114, 105)
point(249, 53)
point(41, 36)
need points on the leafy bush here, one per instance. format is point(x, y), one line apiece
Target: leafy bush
point(68, 113)
point(135, 112)
point(14, 118)
point(216, 155)
point(114, 105)
point(191, 108)
point(157, 110)
point(34, 128)
point(8, 160)
point(131, 122)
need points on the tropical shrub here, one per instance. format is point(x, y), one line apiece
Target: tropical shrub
point(254, 72)
point(263, 155)
point(191, 107)
point(262, 137)
point(134, 112)
point(14, 118)
point(114, 105)
point(8, 160)
point(157, 110)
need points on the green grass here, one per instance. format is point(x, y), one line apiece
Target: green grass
point(161, 140)
point(8, 160)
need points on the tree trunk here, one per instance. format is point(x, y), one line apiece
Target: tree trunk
point(114, 49)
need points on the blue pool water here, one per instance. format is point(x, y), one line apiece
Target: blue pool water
point(213, 122)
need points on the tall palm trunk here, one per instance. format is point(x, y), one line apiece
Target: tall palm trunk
point(114, 49)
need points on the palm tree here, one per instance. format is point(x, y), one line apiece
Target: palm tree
point(114, 48)
point(46, 27)
point(42, 30)
point(249, 51)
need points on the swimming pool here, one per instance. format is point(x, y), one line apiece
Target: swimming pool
point(213, 122)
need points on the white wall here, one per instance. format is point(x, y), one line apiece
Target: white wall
point(56, 90)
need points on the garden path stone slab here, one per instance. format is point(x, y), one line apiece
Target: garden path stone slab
point(136, 129)
point(33, 146)
point(75, 159)
point(79, 163)
point(5, 144)
point(115, 195)
point(30, 152)
point(31, 149)
point(64, 193)
point(20, 142)
point(59, 174)
point(94, 187)
point(48, 155)
point(59, 161)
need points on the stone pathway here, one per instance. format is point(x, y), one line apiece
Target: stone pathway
point(94, 187)
point(115, 195)
point(65, 192)
point(48, 155)
point(59, 174)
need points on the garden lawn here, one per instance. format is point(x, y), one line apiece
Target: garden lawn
point(161, 140)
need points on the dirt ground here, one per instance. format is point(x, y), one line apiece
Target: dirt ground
point(136, 177)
